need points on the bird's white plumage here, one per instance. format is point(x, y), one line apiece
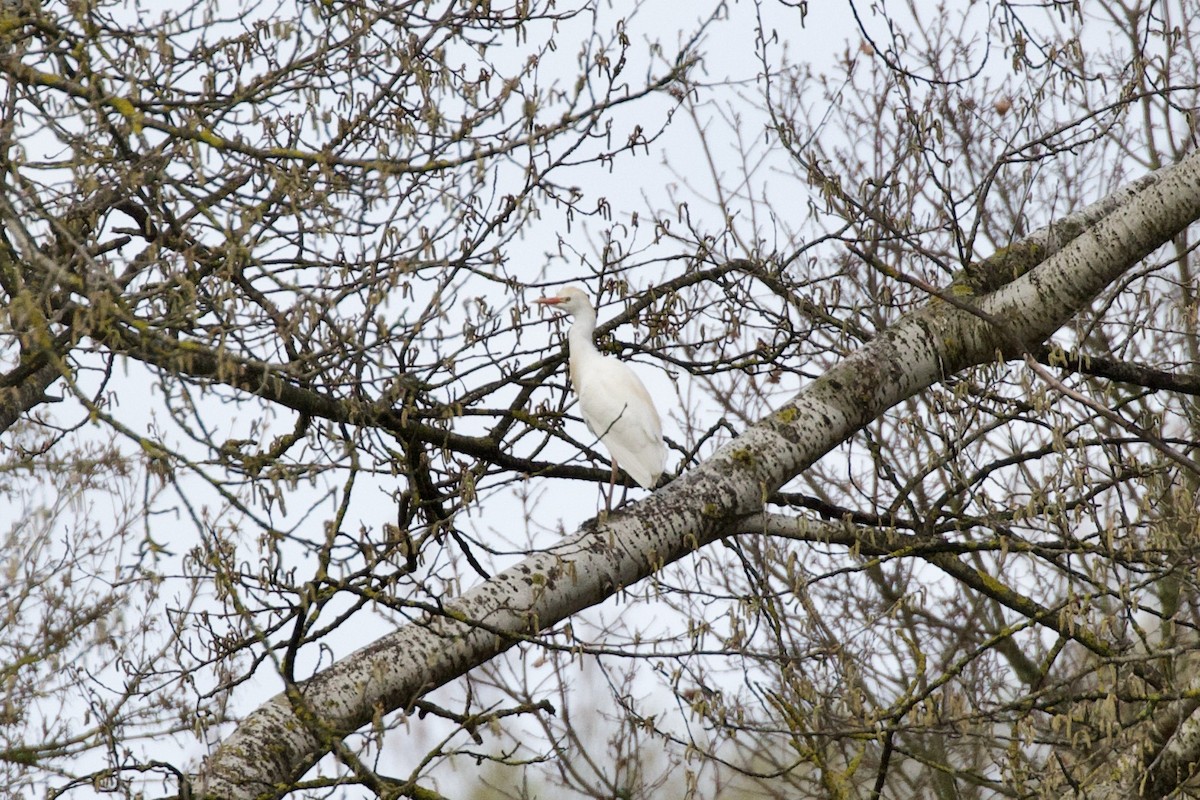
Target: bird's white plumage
point(612, 400)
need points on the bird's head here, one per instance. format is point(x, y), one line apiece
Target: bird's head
point(572, 300)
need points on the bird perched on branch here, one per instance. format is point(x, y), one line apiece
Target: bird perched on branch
point(614, 403)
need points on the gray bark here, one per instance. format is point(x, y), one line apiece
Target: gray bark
point(275, 744)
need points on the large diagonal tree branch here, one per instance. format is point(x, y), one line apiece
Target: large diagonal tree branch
point(282, 738)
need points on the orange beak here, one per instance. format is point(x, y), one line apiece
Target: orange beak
point(548, 301)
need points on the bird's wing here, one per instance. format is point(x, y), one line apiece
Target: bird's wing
point(612, 398)
point(620, 412)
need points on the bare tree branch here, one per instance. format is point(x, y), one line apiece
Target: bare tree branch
point(701, 506)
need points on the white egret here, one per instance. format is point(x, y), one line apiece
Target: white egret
point(614, 403)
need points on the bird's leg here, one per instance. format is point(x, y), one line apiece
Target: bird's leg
point(612, 487)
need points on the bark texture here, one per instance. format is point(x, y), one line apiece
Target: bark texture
point(279, 741)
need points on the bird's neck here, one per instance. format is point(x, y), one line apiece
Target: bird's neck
point(583, 349)
point(580, 336)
